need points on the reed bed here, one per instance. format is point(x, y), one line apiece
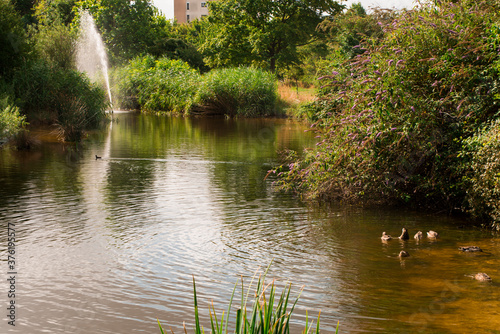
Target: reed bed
point(242, 91)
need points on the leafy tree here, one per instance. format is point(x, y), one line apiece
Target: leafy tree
point(13, 46)
point(266, 33)
point(129, 28)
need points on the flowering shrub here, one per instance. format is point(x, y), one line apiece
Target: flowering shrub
point(392, 120)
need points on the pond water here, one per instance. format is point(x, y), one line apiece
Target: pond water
point(112, 245)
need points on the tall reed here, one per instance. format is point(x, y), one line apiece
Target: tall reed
point(261, 311)
point(241, 91)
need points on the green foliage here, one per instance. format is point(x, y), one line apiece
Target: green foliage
point(58, 96)
point(56, 45)
point(483, 178)
point(55, 12)
point(11, 120)
point(263, 33)
point(176, 48)
point(13, 46)
point(355, 26)
point(392, 120)
point(156, 85)
point(265, 314)
point(237, 92)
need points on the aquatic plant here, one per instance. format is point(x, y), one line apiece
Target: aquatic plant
point(392, 120)
point(242, 91)
point(155, 85)
point(259, 312)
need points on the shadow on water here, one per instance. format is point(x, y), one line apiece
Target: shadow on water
point(110, 245)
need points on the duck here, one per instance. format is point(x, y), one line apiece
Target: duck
point(419, 235)
point(470, 249)
point(385, 237)
point(404, 234)
point(97, 157)
point(432, 234)
point(482, 277)
point(403, 254)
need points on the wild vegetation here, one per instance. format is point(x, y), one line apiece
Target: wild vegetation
point(260, 311)
point(404, 100)
point(37, 75)
point(394, 119)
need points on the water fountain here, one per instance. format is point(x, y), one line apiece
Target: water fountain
point(90, 52)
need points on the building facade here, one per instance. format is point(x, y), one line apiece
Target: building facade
point(189, 10)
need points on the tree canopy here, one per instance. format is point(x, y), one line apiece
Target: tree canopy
point(266, 33)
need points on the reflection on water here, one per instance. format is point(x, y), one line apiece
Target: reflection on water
point(108, 246)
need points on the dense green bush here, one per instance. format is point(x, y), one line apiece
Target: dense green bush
point(483, 178)
point(155, 85)
point(11, 121)
point(393, 119)
point(59, 96)
point(237, 92)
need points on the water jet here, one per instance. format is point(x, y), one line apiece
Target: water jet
point(91, 56)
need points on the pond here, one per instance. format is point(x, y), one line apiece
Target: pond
point(111, 245)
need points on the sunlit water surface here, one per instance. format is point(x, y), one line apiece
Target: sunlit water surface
point(110, 245)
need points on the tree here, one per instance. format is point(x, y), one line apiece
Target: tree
point(266, 33)
point(13, 45)
point(129, 28)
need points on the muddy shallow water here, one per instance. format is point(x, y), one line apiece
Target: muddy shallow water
point(110, 245)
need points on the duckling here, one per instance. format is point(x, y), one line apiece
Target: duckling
point(482, 277)
point(96, 157)
point(419, 235)
point(404, 234)
point(470, 249)
point(432, 234)
point(385, 237)
point(403, 254)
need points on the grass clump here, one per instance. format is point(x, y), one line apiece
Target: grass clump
point(393, 119)
point(156, 85)
point(241, 91)
point(261, 311)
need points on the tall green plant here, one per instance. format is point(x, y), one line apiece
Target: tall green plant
point(260, 311)
point(156, 85)
point(241, 91)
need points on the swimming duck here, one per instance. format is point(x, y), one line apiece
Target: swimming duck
point(385, 237)
point(404, 234)
point(419, 235)
point(470, 249)
point(482, 277)
point(432, 234)
point(96, 157)
point(403, 254)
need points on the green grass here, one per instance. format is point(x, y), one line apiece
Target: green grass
point(241, 91)
point(261, 311)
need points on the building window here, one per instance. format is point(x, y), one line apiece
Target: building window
point(187, 6)
point(203, 4)
point(187, 18)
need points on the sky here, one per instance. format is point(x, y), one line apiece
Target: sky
point(167, 8)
